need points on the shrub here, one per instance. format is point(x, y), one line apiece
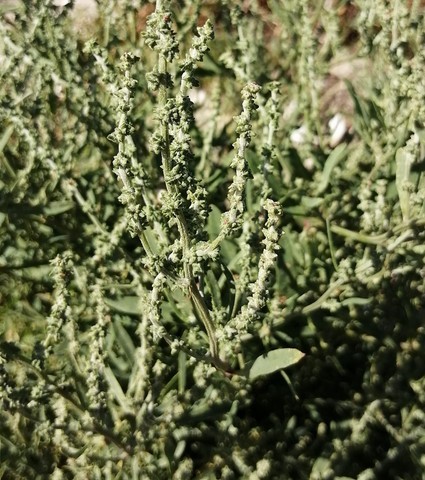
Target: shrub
point(194, 193)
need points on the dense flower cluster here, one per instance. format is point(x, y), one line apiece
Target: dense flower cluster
point(194, 196)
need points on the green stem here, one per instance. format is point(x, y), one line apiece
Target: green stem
point(95, 427)
point(317, 304)
point(359, 237)
point(3, 142)
point(383, 238)
point(195, 295)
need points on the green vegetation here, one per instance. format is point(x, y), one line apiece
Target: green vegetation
point(196, 196)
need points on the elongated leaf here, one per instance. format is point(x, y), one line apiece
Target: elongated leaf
point(116, 390)
point(356, 301)
point(124, 339)
point(129, 305)
point(214, 288)
point(404, 161)
point(56, 208)
point(38, 273)
point(311, 202)
point(182, 373)
point(254, 161)
point(214, 219)
point(275, 360)
point(338, 154)
point(6, 136)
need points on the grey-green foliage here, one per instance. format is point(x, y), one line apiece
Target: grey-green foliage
point(149, 161)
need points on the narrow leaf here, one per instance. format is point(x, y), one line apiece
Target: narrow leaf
point(116, 390)
point(124, 339)
point(56, 208)
point(338, 154)
point(129, 305)
point(404, 160)
point(214, 289)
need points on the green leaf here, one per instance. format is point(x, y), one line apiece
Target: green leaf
point(129, 305)
point(404, 161)
point(311, 202)
point(6, 136)
point(214, 289)
point(56, 208)
point(182, 372)
point(177, 305)
point(253, 161)
point(124, 339)
point(115, 389)
point(229, 293)
point(339, 153)
point(214, 220)
point(228, 250)
point(356, 301)
point(37, 274)
point(274, 360)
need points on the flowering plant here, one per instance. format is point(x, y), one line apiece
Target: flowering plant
point(194, 198)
